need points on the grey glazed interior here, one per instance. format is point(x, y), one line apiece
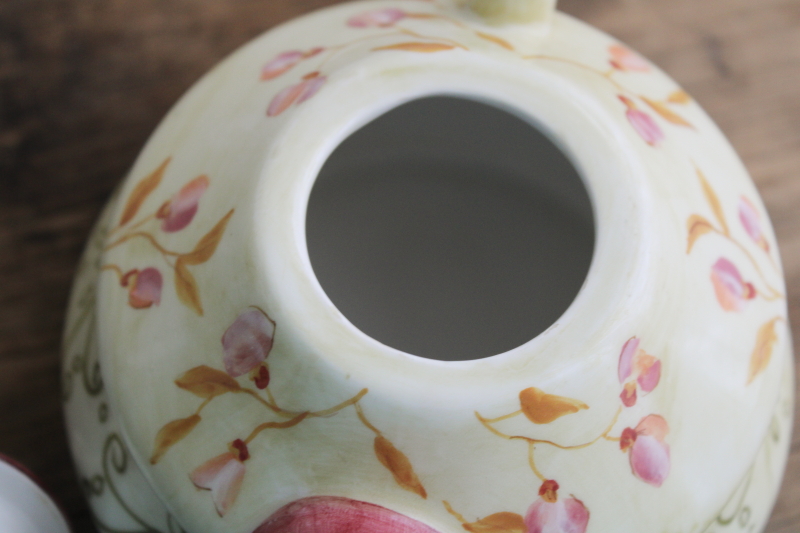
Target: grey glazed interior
point(450, 229)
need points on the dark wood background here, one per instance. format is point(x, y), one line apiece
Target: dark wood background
point(84, 82)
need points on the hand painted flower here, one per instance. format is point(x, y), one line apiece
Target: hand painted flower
point(624, 59)
point(247, 342)
point(223, 476)
point(649, 454)
point(731, 290)
point(178, 212)
point(751, 220)
point(144, 287)
point(549, 514)
point(285, 62)
point(330, 514)
point(296, 94)
point(380, 18)
point(637, 370)
point(643, 123)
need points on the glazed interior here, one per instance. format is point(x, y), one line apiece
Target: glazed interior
point(430, 253)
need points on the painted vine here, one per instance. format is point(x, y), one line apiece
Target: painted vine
point(733, 292)
point(144, 285)
point(246, 344)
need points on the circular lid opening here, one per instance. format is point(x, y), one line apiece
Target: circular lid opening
point(450, 229)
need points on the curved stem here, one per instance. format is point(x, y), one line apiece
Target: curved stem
point(333, 410)
point(607, 74)
point(203, 405)
point(113, 268)
point(275, 425)
point(488, 426)
point(532, 463)
point(143, 235)
point(269, 404)
point(504, 417)
point(364, 420)
point(453, 512)
point(440, 39)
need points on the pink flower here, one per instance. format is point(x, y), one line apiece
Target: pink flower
point(637, 369)
point(247, 342)
point(649, 454)
point(751, 221)
point(285, 62)
point(178, 212)
point(731, 290)
point(624, 59)
point(298, 93)
point(332, 514)
point(223, 476)
point(643, 123)
point(548, 514)
point(380, 18)
point(144, 287)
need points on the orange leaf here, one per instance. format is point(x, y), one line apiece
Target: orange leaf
point(207, 382)
point(186, 287)
point(498, 523)
point(679, 97)
point(543, 408)
point(762, 353)
point(141, 192)
point(496, 40)
point(208, 244)
point(425, 48)
point(697, 226)
point(399, 465)
point(713, 201)
point(172, 433)
point(666, 113)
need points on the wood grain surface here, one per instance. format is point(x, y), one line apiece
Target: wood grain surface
point(84, 82)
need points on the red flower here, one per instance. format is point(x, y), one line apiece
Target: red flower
point(247, 342)
point(624, 59)
point(144, 287)
point(649, 454)
point(637, 369)
point(731, 290)
point(285, 62)
point(298, 93)
point(380, 18)
point(331, 514)
point(178, 212)
point(643, 123)
point(223, 476)
point(751, 220)
point(548, 514)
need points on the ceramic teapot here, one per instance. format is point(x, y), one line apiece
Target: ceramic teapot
point(227, 369)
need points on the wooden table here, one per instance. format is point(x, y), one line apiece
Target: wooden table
point(84, 82)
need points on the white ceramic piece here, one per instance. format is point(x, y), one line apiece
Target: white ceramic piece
point(24, 506)
point(211, 383)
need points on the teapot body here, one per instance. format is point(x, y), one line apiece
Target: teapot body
point(211, 384)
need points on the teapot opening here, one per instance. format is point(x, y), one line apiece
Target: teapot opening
point(450, 229)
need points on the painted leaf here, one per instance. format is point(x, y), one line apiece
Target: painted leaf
point(186, 287)
point(171, 434)
point(141, 192)
point(208, 244)
point(765, 342)
point(666, 113)
point(679, 97)
point(543, 408)
point(425, 48)
point(399, 465)
point(495, 39)
point(713, 201)
point(498, 523)
point(207, 382)
point(697, 227)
